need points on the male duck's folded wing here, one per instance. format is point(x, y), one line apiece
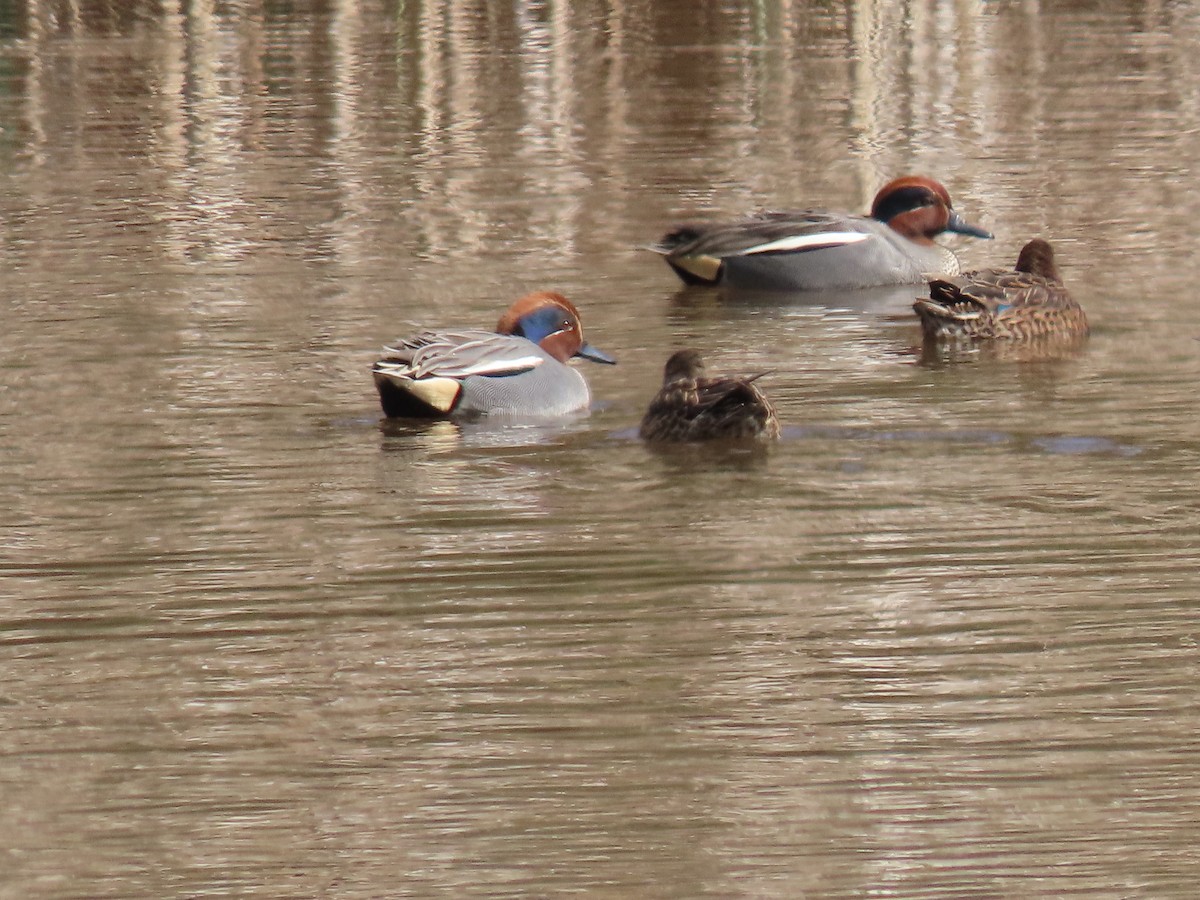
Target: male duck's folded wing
point(765, 232)
point(458, 354)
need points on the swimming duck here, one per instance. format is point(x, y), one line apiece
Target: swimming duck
point(819, 250)
point(520, 369)
point(1019, 304)
point(693, 407)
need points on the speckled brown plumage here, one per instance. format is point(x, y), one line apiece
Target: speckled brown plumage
point(693, 407)
point(1019, 304)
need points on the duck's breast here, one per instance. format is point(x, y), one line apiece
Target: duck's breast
point(885, 257)
point(550, 389)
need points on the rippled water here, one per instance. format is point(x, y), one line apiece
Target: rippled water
point(941, 641)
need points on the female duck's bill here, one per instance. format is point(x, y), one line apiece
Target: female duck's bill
point(693, 407)
point(1026, 303)
point(520, 369)
point(813, 249)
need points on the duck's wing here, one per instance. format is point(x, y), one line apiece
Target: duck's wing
point(458, 354)
point(997, 290)
point(726, 392)
point(785, 231)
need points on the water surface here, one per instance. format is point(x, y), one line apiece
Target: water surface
point(257, 642)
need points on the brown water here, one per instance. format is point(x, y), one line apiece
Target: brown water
point(940, 642)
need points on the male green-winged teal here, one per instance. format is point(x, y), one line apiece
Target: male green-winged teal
point(820, 250)
point(518, 370)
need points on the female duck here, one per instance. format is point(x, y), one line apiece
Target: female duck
point(812, 250)
point(1020, 304)
point(519, 370)
point(692, 407)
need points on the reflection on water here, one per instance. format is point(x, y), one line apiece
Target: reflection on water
point(937, 640)
point(936, 354)
point(434, 437)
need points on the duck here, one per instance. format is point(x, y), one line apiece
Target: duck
point(692, 406)
point(815, 250)
point(520, 369)
point(1025, 303)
